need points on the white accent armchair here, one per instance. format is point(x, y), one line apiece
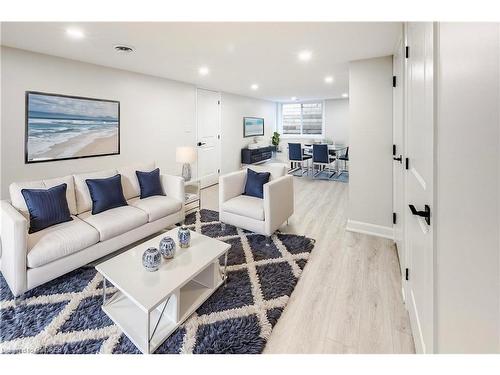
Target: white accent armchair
point(262, 216)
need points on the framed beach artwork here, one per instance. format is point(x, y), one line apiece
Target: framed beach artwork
point(60, 127)
point(253, 126)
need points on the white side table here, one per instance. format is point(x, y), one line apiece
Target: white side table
point(192, 195)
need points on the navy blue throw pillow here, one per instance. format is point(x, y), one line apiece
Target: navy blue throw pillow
point(47, 207)
point(254, 186)
point(106, 193)
point(150, 183)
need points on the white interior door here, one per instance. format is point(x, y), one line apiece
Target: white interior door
point(419, 181)
point(208, 134)
point(398, 154)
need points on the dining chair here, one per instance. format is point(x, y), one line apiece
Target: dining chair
point(322, 158)
point(295, 155)
point(345, 159)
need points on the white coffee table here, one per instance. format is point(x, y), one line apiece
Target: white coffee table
point(149, 306)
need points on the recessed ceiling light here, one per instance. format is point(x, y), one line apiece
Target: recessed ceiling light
point(75, 33)
point(123, 48)
point(294, 98)
point(203, 71)
point(345, 95)
point(254, 86)
point(305, 55)
point(328, 79)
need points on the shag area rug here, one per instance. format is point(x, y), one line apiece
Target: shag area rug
point(65, 316)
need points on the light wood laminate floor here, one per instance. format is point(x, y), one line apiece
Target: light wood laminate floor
point(348, 299)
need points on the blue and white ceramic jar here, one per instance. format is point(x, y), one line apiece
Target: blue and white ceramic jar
point(184, 236)
point(151, 259)
point(167, 247)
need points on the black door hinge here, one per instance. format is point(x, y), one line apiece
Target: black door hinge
point(393, 150)
point(218, 170)
point(407, 163)
point(407, 51)
point(218, 136)
point(394, 218)
point(394, 80)
point(407, 274)
point(218, 102)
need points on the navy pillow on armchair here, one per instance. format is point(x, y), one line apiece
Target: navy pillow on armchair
point(47, 207)
point(150, 183)
point(106, 193)
point(254, 186)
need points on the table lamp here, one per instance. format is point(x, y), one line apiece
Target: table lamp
point(185, 155)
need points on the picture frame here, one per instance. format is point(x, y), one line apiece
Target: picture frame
point(63, 127)
point(253, 127)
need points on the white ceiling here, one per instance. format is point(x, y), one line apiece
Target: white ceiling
point(237, 54)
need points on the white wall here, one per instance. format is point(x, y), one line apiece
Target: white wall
point(337, 120)
point(468, 189)
point(370, 152)
point(157, 115)
point(234, 108)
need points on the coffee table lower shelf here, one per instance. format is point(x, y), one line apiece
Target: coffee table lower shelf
point(148, 330)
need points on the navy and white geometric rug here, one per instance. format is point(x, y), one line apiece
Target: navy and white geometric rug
point(65, 316)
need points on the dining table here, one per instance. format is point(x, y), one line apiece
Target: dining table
point(333, 149)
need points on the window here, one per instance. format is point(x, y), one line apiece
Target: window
point(302, 118)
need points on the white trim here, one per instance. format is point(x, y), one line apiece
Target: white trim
point(371, 229)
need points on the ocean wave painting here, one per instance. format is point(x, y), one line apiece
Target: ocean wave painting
point(65, 127)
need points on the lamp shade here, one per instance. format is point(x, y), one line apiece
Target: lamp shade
point(185, 154)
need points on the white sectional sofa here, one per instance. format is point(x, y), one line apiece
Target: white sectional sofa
point(262, 216)
point(29, 260)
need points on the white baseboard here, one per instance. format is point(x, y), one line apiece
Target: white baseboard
point(372, 229)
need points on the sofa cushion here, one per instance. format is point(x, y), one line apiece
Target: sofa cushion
point(58, 241)
point(150, 183)
point(157, 206)
point(70, 190)
point(116, 221)
point(106, 193)
point(255, 182)
point(47, 207)
point(82, 194)
point(245, 205)
point(17, 198)
point(130, 182)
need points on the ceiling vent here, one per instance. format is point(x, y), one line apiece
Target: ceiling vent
point(123, 48)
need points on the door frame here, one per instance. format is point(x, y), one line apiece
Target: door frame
point(218, 139)
point(400, 151)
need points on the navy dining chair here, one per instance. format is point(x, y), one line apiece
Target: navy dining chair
point(322, 158)
point(296, 156)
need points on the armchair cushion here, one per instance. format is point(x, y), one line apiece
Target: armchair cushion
point(47, 207)
point(254, 186)
point(245, 205)
point(150, 183)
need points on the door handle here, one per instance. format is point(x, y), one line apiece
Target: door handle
point(201, 143)
point(426, 213)
point(400, 159)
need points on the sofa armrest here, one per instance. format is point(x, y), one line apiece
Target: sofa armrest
point(278, 202)
point(173, 186)
point(231, 185)
point(14, 230)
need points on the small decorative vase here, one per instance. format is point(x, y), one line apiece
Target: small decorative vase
point(151, 259)
point(167, 247)
point(184, 236)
